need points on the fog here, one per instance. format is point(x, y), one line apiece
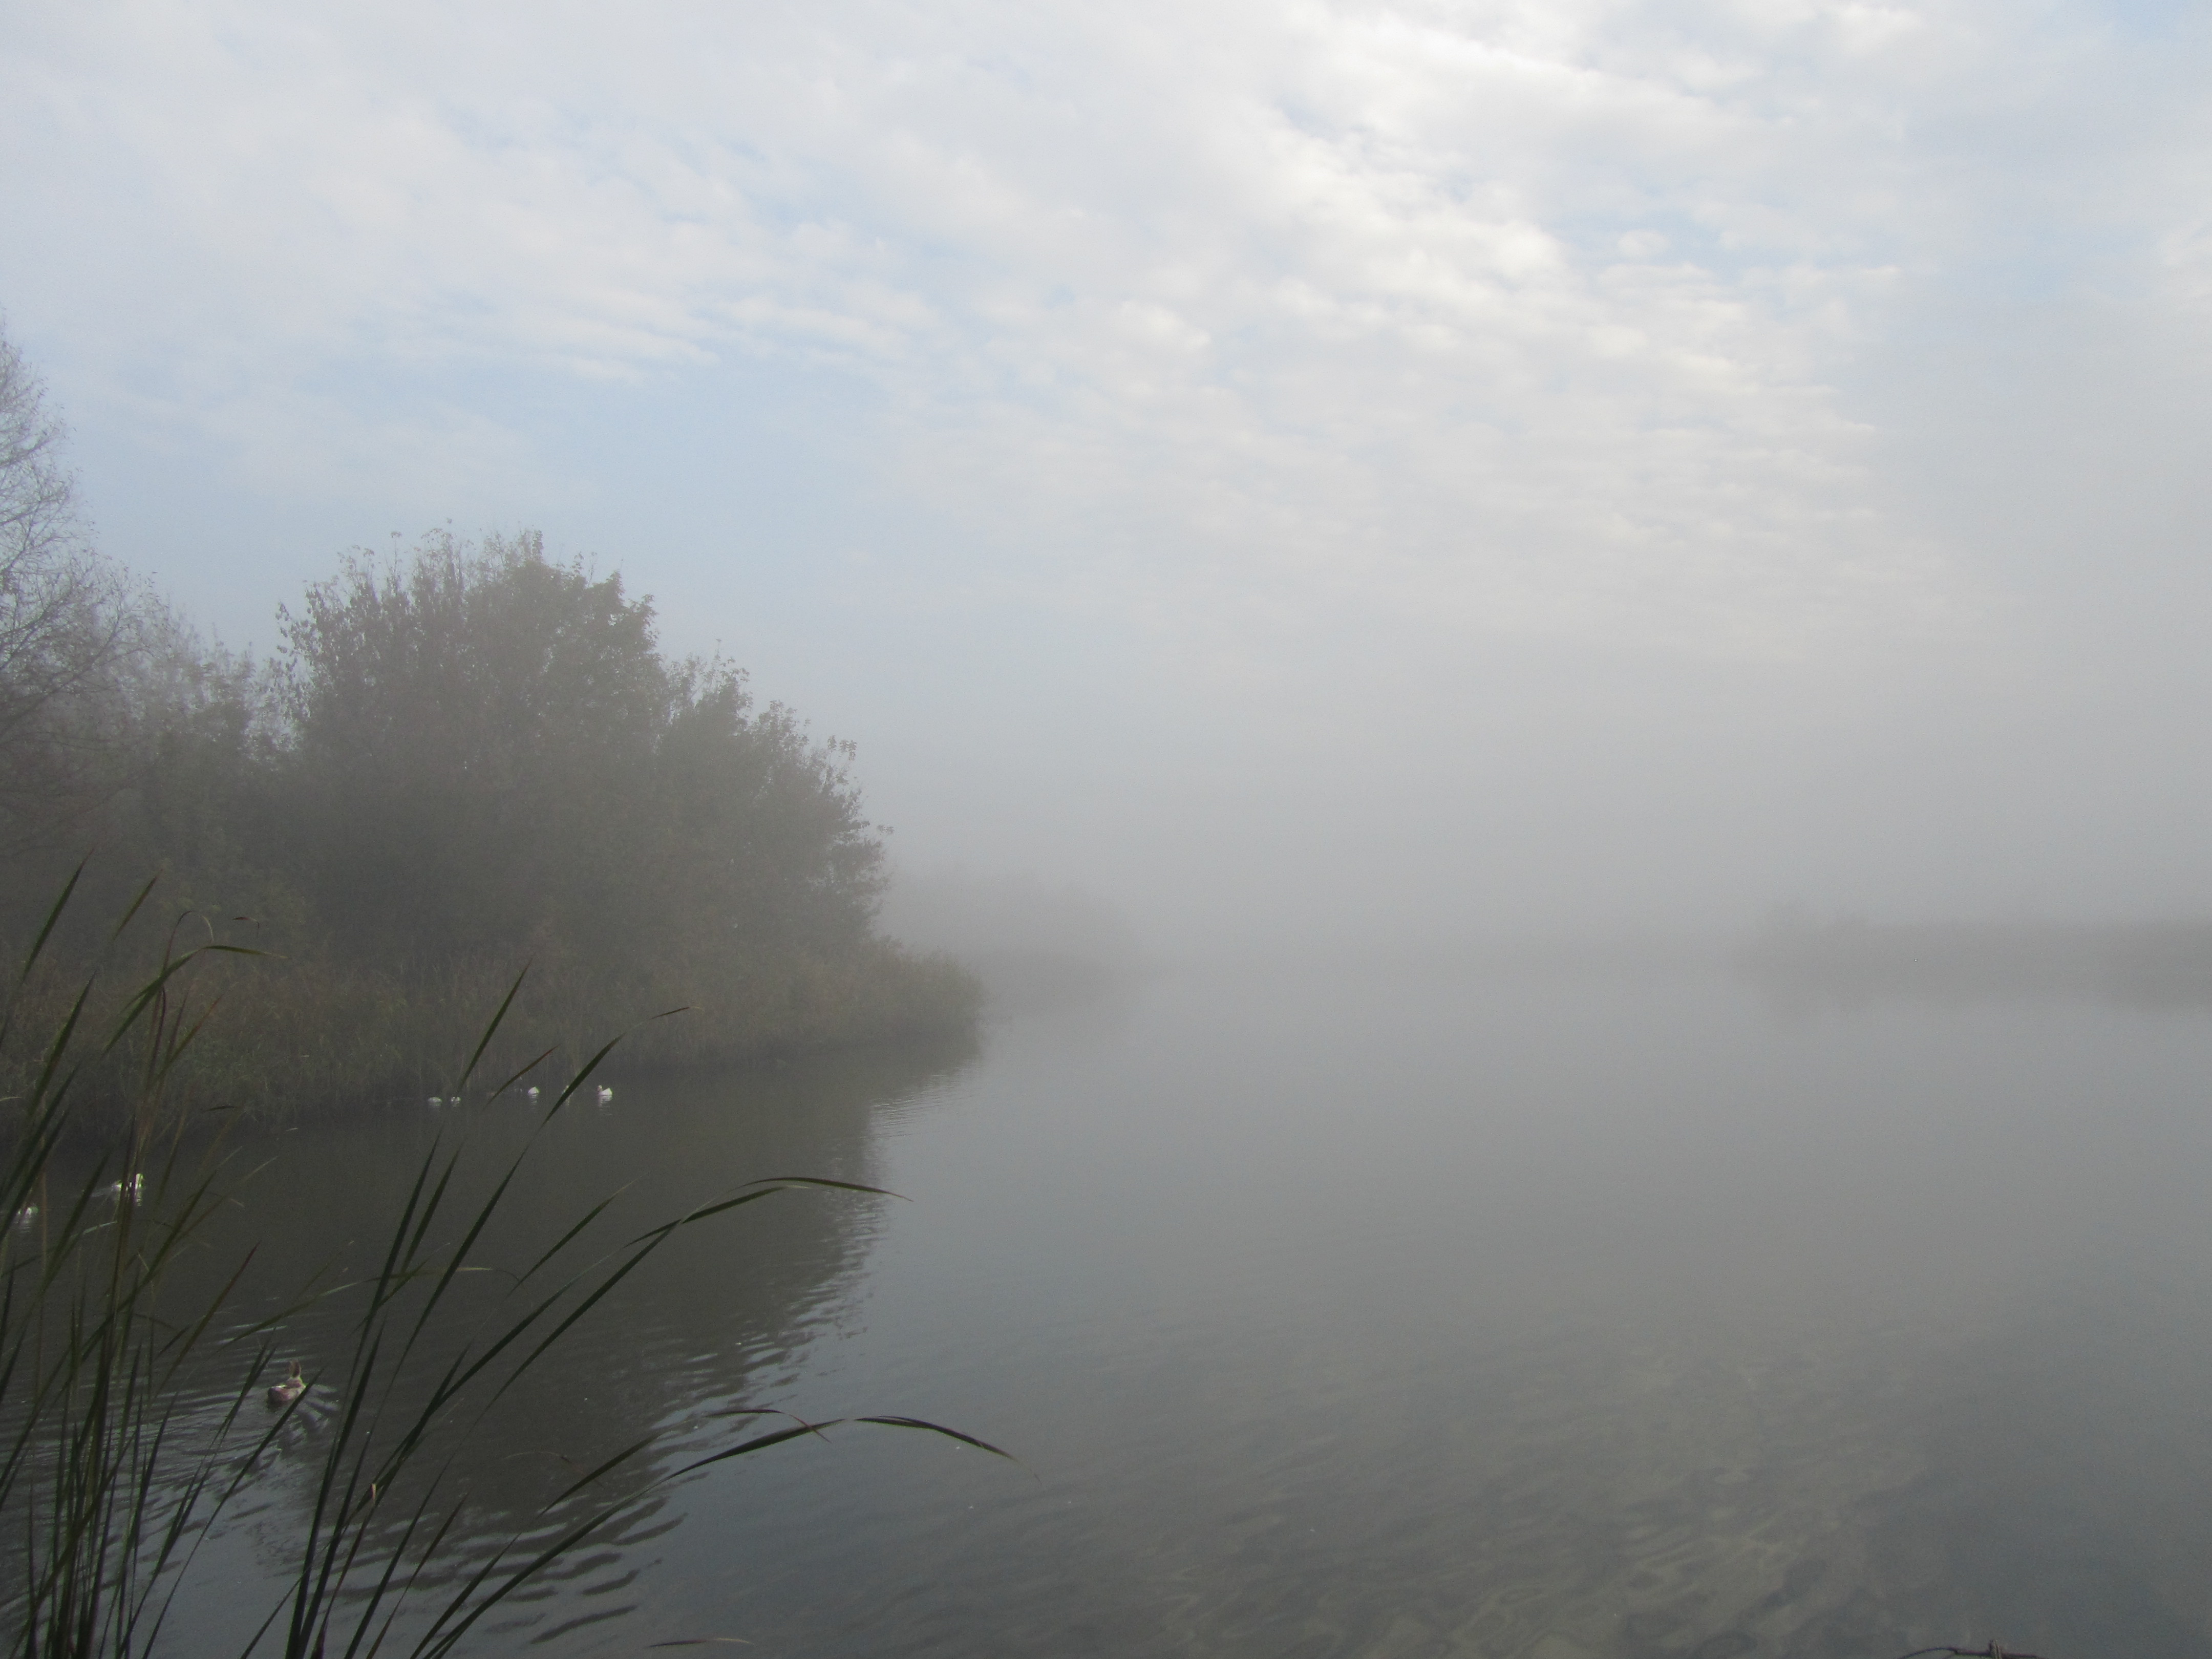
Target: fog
point(1383, 468)
point(1549, 657)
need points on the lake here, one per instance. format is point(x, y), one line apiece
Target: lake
point(1561, 1315)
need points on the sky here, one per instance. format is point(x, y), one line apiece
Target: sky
point(1291, 466)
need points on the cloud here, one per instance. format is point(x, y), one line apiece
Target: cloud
point(1526, 310)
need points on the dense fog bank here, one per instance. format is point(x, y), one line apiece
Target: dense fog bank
point(1034, 946)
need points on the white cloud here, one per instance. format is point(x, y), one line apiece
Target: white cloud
point(1526, 314)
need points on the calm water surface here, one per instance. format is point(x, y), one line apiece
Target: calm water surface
point(1556, 1317)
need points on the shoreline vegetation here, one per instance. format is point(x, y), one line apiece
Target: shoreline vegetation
point(463, 762)
point(1849, 961)
point(284, 1039)
point(469, 784)
point(148, 1408)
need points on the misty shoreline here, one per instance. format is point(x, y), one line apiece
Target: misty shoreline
point(2151, 964)
point(1797, 962)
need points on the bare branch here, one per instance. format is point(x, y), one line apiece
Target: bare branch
point(68, 619)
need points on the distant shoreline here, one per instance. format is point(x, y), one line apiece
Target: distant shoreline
point(2158, 965)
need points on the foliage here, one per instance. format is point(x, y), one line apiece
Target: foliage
point(461, 759)
point(489, 750)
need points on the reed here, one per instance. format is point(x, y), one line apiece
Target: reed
point(111, 1480)
point(316, 1036)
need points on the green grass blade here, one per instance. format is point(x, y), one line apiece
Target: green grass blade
point(940, 1428)
point(492, 1030)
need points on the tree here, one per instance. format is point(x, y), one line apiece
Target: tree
point(489, 752)
point(66, 624)
point(464, 760)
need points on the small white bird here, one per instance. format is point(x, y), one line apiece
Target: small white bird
point(26, 1215)
point(435, 1103)
point(533, 1092)
point(606, 1094)
point(136, 1186)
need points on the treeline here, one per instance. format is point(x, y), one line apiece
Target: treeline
point(1852, 962)
point(459, 761)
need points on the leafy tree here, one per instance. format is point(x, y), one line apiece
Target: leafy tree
point(489, 752)
point(462, 758)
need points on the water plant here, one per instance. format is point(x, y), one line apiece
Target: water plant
point(119, 1461)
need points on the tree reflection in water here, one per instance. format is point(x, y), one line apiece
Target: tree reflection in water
point(714, 1327)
